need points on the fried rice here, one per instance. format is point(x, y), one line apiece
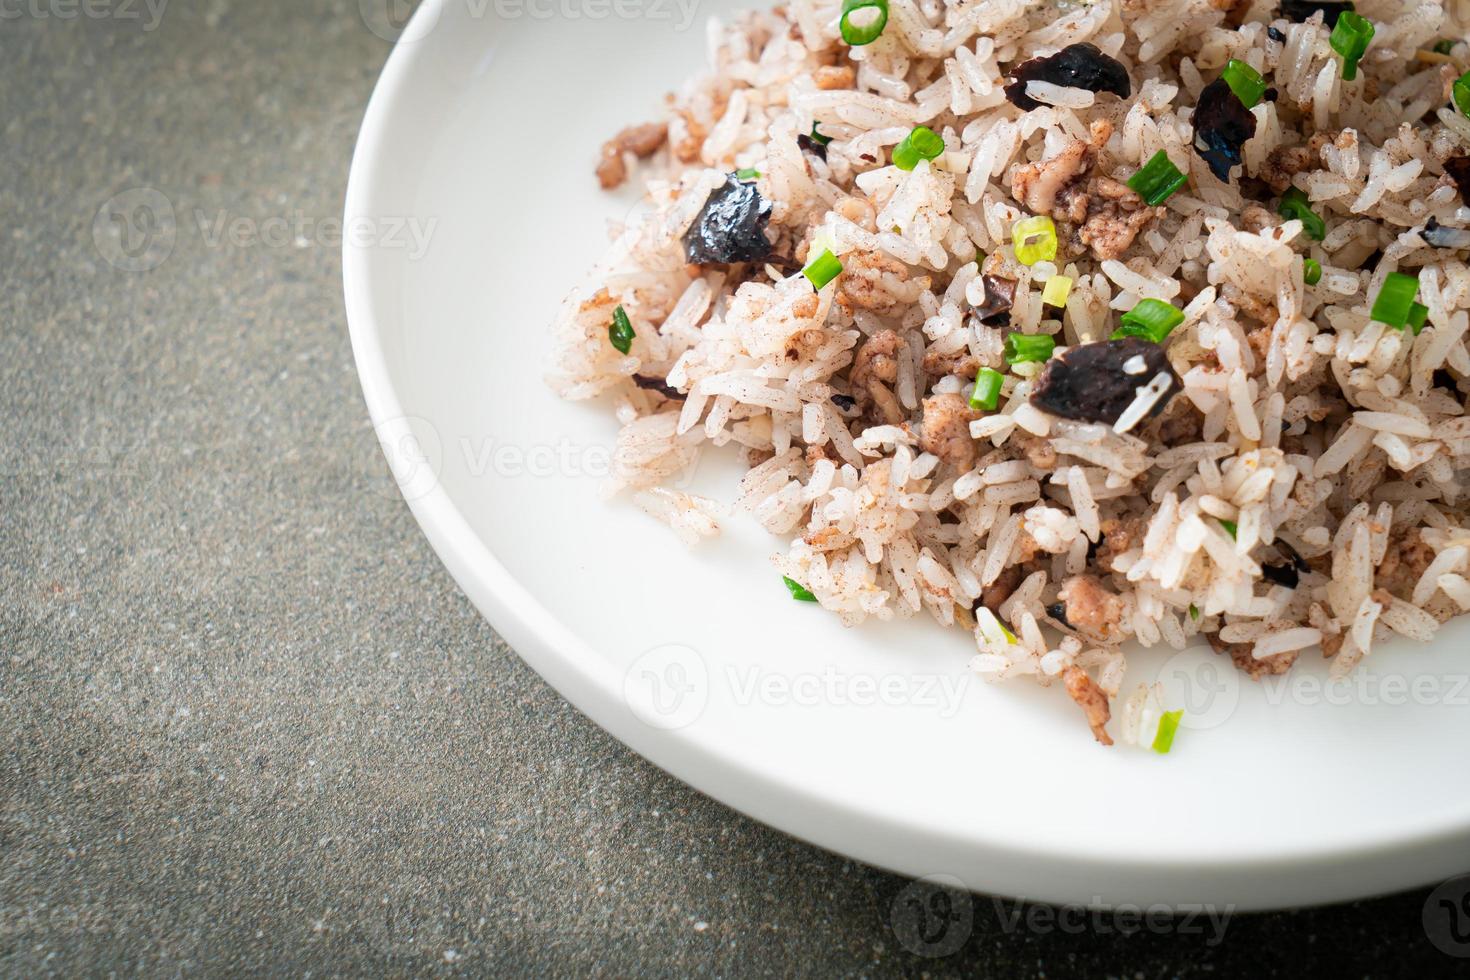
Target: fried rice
point(1283, 471)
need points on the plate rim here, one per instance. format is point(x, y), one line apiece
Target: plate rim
point(1064, 873)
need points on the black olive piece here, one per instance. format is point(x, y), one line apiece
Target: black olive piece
point(844, 403)
point(1276, 35)
point(999, 294)
point(1088, 383)
point(1280, 574)
point(1058, 612)
point(731, 227)
point(1459, 170)
point(1294, 556)
point(1075, 66)
point(659, 385)
point(1270, 95)
point(1300, 10)
point(1443, 236)
point(1223, 124)
point(809, 145)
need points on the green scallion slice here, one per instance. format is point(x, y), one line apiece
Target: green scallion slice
point(1034, 239)
point(1168, 726)
point(1460, 91)
point(1151, 319)
point(986, 395)
point(1231, 528)
point(1158, 179)
point(865, 28)
point(1350, 38)
point(818, 137)
point(1418, 316)
point(798, 591)
point(822, 269)
point(1194, 612)
point(620, 331)
point(1311, 271)
point(921, 144)
point(1294, 205)
point(749, 173)
point(1244, 81)
point(1443, 46)
point(1395, 300)
point(1020, 347)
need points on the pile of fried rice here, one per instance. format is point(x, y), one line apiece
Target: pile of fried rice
point(1281, 472)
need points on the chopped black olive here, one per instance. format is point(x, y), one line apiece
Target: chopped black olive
point(731, 227)
point(1223, 124)
point(809, 145)
point(1459, 170)
point(844, 403)
point(1275, 35)
point(1294, 556)
point(659, 385)
point(1075, 66)
point(1092, 383)
point(999, 294)
point(1441, 236)
point(1300, 10)
point(1270, 95)
point(1058, 612)
point(1281, 575)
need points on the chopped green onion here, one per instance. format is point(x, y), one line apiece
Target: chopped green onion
point(1010, 637)
point(1418, 316)
point(867, 32)
point(1444, 46)
point(1311, 271)
point(1244, 81)
point(1350, 38)
point(1035, 239)
point(1151, 319)
point(822, 269)
point(1231, 527)
point(1168, 725)
point(986, 395)
point(798, 591)
point(921, 144)
point(818, 137)
point(620, 331)
point(1158, 179)
point(749, 173)
point(1194, 612)
point(1056, 291)
point(1461, 92)
point(1395, 300)
point(1020, 347)
point(1294, 205)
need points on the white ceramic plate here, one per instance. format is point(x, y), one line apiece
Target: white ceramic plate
point(481, 137)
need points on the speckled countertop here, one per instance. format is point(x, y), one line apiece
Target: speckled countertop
point(247, 722)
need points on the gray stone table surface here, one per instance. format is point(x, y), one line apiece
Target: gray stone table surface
point(247, 722)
